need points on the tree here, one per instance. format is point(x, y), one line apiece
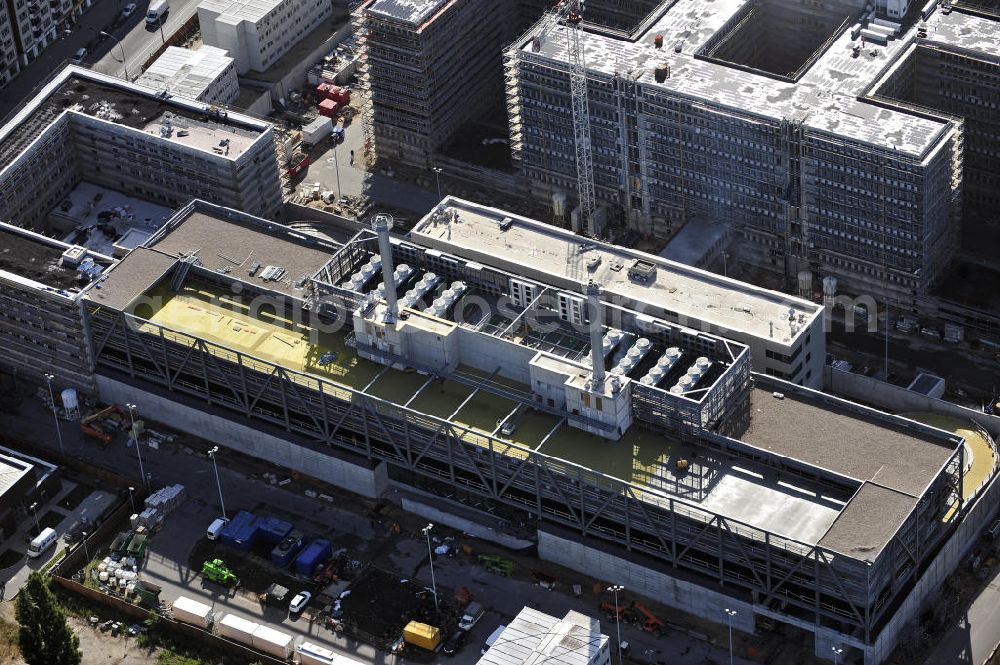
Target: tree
point(44, 637)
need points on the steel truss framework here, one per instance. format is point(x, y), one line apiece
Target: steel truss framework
point(794, 578)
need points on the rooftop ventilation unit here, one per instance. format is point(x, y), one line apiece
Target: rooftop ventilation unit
point(72, 257)
point(642, 271)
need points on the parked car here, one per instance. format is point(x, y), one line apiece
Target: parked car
point(299, 603)
point(128, 10)
point(455, 642)
point(79, 56)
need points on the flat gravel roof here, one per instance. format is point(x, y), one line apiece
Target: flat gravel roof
point(823, 435)
point(868, 522)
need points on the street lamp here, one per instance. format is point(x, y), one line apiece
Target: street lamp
point(729, 616)
point(33, 512)
point(122, 47)
point(430, 555)
point(212, 453)
point(135, 437)
point(86, 551)
point(725, 266)
point(336, 166)
point(618, 619)
point(437, 176)
point(131, 499)
point(52, 398)
point(836, 655)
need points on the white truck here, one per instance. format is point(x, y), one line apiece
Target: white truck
point(192, 612)
point(157, 12)
point(473, 613)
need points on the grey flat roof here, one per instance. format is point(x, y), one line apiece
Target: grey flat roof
point(860, 447)
point(236, 244)
point(559, 257)
point(868, 522)
point(130, 278)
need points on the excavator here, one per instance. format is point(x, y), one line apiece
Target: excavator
point(102, 424)
point(637, 613)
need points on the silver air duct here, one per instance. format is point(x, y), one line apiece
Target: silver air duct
point(381, 224)
point(593, 292)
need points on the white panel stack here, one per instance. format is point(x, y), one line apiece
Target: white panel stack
point(166, 498)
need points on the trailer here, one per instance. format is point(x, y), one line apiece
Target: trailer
point(273, 642)
point(317, 130)
point(191, 611)
point(237, 629)
point(274, 595)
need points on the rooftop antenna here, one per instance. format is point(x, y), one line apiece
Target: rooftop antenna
point(381, 223)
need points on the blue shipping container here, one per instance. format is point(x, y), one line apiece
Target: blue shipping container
point(285, 551)
point(317, 552)
point(232, 530)
point(246, 536)
point(272, 530)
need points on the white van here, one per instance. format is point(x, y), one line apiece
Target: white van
point(42, 542)
point(473, 613)
point(216, 527)
point(491, 640)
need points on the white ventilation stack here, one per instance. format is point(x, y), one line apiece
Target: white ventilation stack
point(381, 224)
point(593, 292)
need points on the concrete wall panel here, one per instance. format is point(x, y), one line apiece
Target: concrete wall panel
point(685, 596)
point(246, 439)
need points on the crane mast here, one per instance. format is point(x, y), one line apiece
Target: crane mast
point(572, 13)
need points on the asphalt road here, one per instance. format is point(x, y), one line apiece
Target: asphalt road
point(136, 40)
point(972, 639)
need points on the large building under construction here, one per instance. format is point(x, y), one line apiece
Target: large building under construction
point(836, 141)
point(427, 67)
point(603, 402)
